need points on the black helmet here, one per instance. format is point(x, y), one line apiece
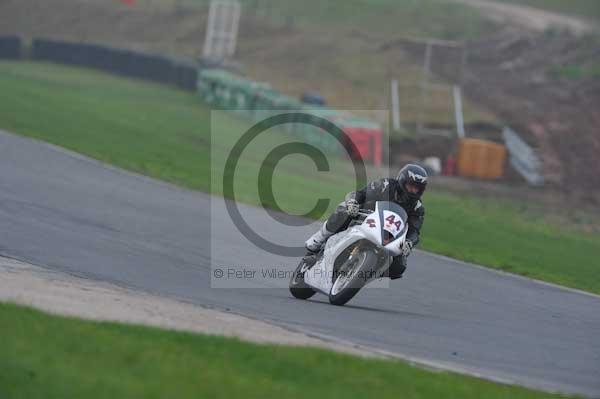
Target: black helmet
point(415, 176)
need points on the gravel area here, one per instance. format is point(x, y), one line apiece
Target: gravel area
point(63, 294)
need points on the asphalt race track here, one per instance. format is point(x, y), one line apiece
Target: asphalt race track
point(69, 213)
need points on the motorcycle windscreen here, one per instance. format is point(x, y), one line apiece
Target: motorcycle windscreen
point(393, 218)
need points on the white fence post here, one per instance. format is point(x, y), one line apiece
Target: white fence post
point(458, 112)
point(523, 158)
point(395, 106)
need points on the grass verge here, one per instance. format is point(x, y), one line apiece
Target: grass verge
point(165, 133)
point(44, 356)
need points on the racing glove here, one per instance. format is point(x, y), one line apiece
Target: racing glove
point(407, 247)
point(352, 207)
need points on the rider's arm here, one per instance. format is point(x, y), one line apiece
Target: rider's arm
point(415, 221)
point(376, 190)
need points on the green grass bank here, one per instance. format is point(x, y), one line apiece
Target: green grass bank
point(44, 356)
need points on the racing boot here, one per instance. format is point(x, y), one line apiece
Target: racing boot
point(317, 240)
point(397, 268)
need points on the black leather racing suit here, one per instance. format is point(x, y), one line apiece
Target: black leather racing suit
point(383, 190)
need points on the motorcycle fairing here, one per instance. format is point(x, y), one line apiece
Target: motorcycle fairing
point(320, 276)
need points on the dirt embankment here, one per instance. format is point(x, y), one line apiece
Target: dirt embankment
point(547, 87)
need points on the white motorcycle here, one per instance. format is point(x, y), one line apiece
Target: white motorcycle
point(352, 258)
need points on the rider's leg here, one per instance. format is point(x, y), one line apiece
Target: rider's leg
point(316, 241)
point(337, 222)
point(397, 268)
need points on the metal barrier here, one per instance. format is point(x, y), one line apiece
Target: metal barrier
point(523, 158)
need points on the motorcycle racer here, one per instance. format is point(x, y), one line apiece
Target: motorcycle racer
point(406, 190)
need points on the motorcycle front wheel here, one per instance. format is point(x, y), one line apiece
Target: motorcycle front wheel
point(298, 287)
point(353, 274)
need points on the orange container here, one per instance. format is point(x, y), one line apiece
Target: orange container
point(480, 158)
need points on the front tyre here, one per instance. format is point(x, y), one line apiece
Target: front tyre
point(352, 275)
point(298, 287)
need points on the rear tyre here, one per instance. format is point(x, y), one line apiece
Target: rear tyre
point(352, 275)
point(298, 287)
